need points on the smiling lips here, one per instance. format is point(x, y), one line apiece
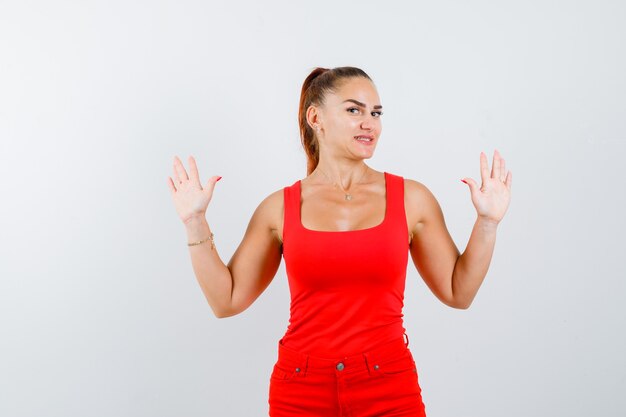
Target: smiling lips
point(364, 138)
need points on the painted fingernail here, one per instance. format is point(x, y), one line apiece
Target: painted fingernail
point(463, 180)
point(219, 178)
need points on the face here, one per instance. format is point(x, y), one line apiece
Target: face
point(349, 120)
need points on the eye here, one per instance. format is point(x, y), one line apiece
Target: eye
point(374, 113)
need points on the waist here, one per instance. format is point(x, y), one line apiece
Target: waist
point(325, 335)
point(369, 360)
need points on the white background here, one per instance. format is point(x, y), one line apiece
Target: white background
point(100, 313)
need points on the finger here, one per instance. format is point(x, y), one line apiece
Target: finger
point(171, 185)
point(193, 171)
point(495, 166)
point(484, 168)
point(180, 170)
point(502, 170)
point(176, 178)
point(174, 165)
point(509, 180)
point(210, 184)
point(473, 186)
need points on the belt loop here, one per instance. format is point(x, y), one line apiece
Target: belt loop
point(367, 364)
point(306, 365)
point(406, 336)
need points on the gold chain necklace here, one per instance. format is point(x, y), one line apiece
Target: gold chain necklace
point(347, 195)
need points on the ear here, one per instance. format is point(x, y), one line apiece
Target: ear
point(313, 116)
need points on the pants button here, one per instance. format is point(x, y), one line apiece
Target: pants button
point(340, 366)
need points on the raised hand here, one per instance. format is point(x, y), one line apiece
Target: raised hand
point(190, 199)
point(492, 198)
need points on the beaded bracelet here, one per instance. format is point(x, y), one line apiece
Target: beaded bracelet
point(202, 241)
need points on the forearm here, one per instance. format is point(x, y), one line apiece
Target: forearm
point(212, 274)
point(471, 267)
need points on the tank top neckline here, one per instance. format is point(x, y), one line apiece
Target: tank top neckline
point(368, 229)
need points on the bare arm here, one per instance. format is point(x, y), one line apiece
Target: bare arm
point(471, 267)
point(232, 288)
point(432, 249)
point(455, 278)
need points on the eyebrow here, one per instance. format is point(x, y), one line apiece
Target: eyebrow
point(358, 103)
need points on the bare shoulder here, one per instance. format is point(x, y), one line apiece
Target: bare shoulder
point(269, 213)
point(419, 203)
point(272, 201)
point(417, 194)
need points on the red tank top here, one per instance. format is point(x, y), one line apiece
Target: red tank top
point(347, 287)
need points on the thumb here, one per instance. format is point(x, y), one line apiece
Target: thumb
point(472, 184)
point(212, 181)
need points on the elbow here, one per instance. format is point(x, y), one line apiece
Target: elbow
point(460, 301)
point(222, 313)
point(221, 308)
point(461, 304)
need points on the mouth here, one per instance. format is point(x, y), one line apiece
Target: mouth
point(364, 138)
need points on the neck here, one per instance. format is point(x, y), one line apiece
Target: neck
point(345, 175)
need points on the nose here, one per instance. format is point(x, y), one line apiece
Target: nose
point(367, 123)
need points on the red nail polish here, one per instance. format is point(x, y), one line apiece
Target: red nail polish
point(218, 179)
point(464, 181)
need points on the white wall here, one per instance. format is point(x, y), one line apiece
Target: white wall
point(100, 313)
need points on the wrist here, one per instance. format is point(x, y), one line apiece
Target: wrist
point(207, 239)
point(197, 228)
point(194, 220)
point(487, 223)
point(198, 231)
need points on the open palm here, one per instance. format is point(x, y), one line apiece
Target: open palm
point(492, 198)
point(190, 199)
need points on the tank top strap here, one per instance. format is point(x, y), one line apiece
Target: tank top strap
point(395, 201)
point(291, 213)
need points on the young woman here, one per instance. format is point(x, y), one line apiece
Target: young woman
point(345, 232)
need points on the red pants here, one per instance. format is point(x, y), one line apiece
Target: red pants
point(379, 382)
